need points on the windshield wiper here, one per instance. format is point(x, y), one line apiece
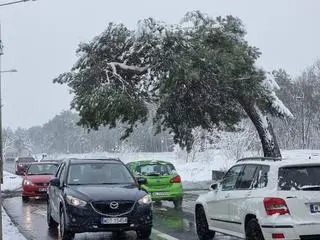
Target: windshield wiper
point(310, 188)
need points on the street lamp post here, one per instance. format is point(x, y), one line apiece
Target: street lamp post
point(1, 147)
point(1, 150)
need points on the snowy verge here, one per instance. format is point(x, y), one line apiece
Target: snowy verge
point(10, 231)
point(11, 182)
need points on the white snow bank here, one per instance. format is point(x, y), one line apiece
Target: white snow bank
point(11, 182)
point(10, 231)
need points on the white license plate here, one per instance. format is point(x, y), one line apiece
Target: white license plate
point(122, 220)
point(42, 189)
point(160, 193)
point(315, 207)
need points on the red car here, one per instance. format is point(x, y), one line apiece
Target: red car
point(22, 164)
point(36, 179)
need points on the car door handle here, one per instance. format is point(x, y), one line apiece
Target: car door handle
point(227, 195)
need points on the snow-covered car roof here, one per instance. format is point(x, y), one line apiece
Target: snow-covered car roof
point(291, 161)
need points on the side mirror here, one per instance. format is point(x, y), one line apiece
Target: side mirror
point(55, 182)
point(214, 186)
point(141, 180)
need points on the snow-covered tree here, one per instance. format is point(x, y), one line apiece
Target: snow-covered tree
point(200, 73)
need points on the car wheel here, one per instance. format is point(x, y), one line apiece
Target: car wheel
point(178, 203)
point(50, 221)
point(203, 231)
point(65, 234)
point(25, 198)
point(253, 230)
point(144, 233)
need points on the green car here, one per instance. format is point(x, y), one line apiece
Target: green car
point(163, 182)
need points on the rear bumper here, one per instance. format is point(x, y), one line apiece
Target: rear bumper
point(169, 197)
point(303, 231)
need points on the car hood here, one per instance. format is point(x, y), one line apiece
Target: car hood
point(106, 192)
point(39, 178)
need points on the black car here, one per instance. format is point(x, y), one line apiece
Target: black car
point(97, 195)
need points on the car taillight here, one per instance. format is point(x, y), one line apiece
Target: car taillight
point(176, 179)
point(275, 206)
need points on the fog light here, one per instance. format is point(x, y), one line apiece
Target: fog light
point(132, 225)
point(277, 235)
point(73, 220)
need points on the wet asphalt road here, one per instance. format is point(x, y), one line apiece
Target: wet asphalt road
point(169, 224)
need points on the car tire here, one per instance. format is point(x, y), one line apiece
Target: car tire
point(203, 231)
point(50, 221)
point(253, 230)
point(25, 198)
point(178, 203)
point(65, 234)
point(144, 233)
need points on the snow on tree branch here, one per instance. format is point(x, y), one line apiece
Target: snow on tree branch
point(271, 85)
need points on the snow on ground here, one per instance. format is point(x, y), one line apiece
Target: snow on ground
point(10, 231)
point(11, 182)
point(196, 173)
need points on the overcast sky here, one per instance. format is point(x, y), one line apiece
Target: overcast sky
point(41, 37)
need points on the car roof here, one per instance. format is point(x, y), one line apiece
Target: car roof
point(276, 162)
point(93, 160)
point(146, 162)
point(43, 163)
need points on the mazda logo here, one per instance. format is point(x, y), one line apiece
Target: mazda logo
point(114, 205)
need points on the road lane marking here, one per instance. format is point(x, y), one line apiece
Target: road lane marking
point(163, 235)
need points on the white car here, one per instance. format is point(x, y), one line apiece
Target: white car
point(262, 199)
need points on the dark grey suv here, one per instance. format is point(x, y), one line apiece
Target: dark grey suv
point(94, 195)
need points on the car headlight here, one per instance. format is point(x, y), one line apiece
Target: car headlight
point(145, 200)
point(27, 182)
point(76, 202)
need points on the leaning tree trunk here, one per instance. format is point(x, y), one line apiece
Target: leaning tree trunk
point(264, 127)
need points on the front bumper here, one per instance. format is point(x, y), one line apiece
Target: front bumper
point(34, 191)
point(86, 219)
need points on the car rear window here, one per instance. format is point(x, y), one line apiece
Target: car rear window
point(303, 178)
point(155, 169)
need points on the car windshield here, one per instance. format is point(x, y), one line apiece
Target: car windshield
point(26, 159)
point(99, 173)
point(303, 178)
point(42, 169)
point(155, 169)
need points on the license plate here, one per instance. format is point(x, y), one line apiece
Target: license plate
point(160, 193)
point(42, 189)
point(122, 220)
point(315, 207)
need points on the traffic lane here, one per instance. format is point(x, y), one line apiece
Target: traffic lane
point(30, 218)
point(169, 224)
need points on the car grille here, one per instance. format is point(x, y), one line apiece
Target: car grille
point(310, 237)
point(105, 207)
